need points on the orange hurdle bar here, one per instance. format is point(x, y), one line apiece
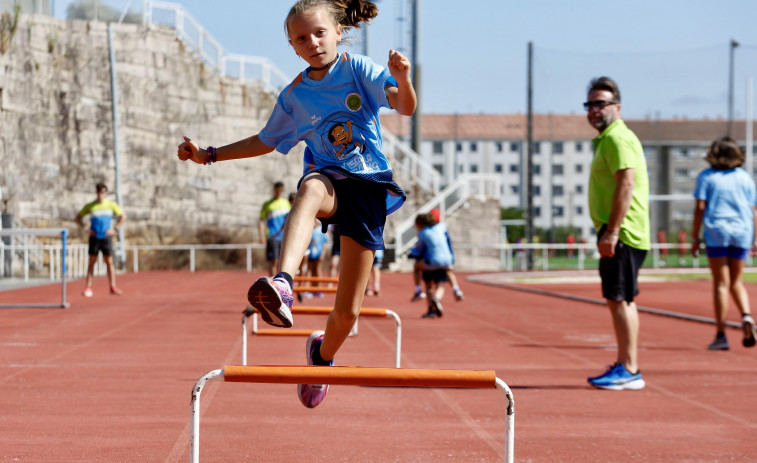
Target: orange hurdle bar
point(317, 279)
point(359, 376)
point(314, 289)
point(364, 312)
point(353, 376)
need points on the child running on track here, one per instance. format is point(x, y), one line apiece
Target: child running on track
point(347, 180)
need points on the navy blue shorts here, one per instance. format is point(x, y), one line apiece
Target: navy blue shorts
point(731, 252)
point(620, 273)
point(436, 276)
point(360, 211)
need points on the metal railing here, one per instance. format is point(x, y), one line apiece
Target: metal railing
point(450, 199)
point(470, 257)
point(409, 164)
point(193, 34)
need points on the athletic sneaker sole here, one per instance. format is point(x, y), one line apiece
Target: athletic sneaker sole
point(749, 334)
point(266, 298)
point(634, 385)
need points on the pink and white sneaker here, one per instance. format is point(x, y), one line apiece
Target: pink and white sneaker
point(313, 394)
point(87, 292)
point(273, 299)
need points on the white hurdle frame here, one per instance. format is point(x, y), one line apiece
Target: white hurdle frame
point(63, 265)
point(353, 376)
point(365, 312)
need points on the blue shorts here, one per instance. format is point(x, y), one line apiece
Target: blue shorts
point(360, 211)
point(731, 252)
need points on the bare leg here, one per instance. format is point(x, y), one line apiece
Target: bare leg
point(314, 198)
point(356, 261)
point(625, 321)
point(738, 291)
point(91, 270)
point(111, 271)
point(720, 284)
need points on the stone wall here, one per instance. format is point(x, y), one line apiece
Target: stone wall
point(56, 140)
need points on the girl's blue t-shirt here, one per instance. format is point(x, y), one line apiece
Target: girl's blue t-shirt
point(338, 119)
point(728, 217)
point(315, 249)
point(434, 247)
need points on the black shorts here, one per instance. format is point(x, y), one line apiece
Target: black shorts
point(620, 273)
point(360, 211)
point(97, 245)
point(272, 250)
point(437, 276)
point(336, 245)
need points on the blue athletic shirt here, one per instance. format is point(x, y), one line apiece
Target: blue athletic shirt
point(434, 246)
point(316, 243)
point(728, 217)
point(102, 216)
point(338, 118)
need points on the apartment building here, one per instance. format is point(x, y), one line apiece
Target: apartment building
point(496, 143)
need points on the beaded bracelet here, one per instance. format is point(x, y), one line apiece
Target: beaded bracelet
point(211, 157)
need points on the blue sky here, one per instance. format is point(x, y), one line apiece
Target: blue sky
point(670, 57)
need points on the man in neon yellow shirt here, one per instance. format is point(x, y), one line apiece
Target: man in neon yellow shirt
point(273, 216)
point(102, 212)
point(619, 208)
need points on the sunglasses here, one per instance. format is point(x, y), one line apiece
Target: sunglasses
point(599, 104)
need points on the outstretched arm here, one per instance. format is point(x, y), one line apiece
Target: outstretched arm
point(402, 97)
point(247, 148)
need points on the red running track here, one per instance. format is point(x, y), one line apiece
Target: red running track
point(110, 379)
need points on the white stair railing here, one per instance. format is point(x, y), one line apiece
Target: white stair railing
point(193, 34)
point(450, 199)
point(409, 164)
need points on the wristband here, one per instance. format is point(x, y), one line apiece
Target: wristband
point(211, 157)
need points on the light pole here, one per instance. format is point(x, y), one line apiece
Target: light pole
point(734, 44)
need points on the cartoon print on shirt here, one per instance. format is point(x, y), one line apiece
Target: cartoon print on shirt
point(345, 138)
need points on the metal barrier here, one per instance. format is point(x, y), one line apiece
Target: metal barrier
point(364, 312)
point(353, 376)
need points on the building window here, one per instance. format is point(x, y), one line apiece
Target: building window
point(514, 168)
point(499, 147)
point(579, 189)
point(537, 211)
point(557, 190)
point(537, 169)
point(438, 147)
point(579, 210)
point(557, 211)
point(474, 146)
point(537, 190)
point(474, 168)
point(579, 147)
point(498, 168)
point(514, 146)
point(439, 168)
point(460, 169)
point(514, 189)
point(557, 169)
point(537, 147)
point(458, 147)
point(579, 168)
point(557, 147)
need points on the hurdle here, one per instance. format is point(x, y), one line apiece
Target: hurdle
point(364, 312)
point(305, 279)
point(353, 376)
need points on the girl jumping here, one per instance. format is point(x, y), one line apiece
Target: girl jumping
point(353, 189)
